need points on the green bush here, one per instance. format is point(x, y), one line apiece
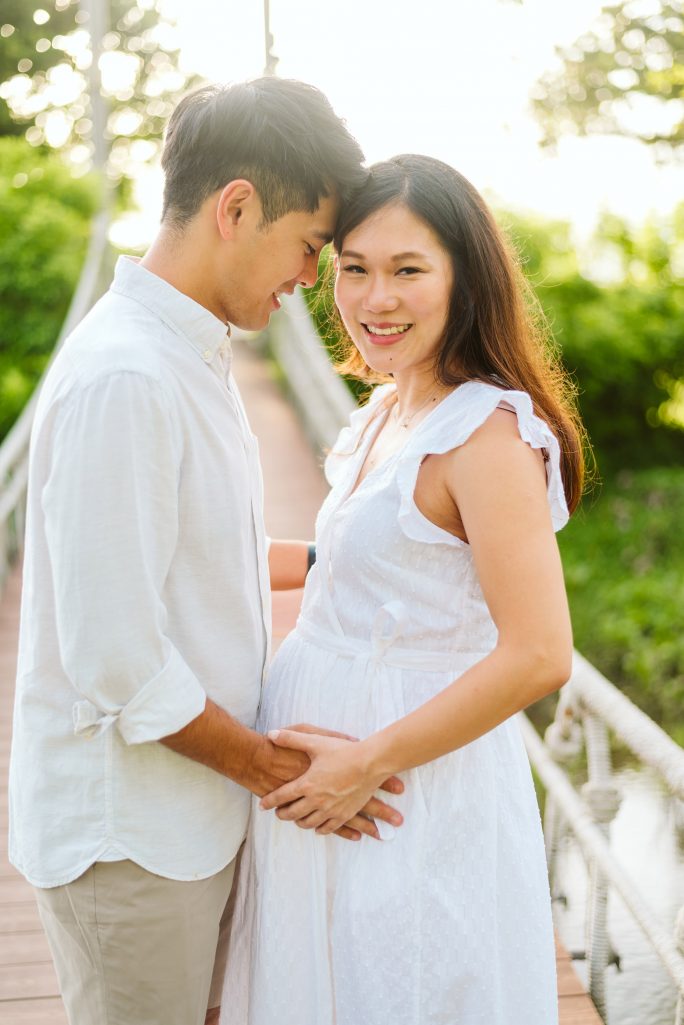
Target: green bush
point(45, 215)
point(623, 343)
point(623, 555)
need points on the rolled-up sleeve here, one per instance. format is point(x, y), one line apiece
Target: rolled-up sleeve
point(111, 521)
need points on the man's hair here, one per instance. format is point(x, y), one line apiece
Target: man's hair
point(281, 135)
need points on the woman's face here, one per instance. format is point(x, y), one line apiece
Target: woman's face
point(393, 287)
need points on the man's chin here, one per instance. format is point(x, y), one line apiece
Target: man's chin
point(255, 322)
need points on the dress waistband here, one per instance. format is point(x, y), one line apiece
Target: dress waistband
point(388, 626)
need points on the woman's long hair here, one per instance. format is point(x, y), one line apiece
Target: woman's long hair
point(495, 330)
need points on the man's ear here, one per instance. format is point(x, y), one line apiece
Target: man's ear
point(237, 202)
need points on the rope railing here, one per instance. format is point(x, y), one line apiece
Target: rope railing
point(589, 707)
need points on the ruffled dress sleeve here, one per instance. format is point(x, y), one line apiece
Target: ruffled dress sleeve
point(350, 438)
point(451, 424)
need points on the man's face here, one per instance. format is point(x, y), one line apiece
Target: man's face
point(270, 259)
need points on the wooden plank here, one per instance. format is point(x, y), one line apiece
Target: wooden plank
point(578, 1010)
point(24, 948)
point(568, 980)
point(19, 918)
point(15, 890)
point(48, 1011)
point(28, 981)
point(574, 1005)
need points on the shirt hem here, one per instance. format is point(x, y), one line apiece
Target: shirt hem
point(126, 855)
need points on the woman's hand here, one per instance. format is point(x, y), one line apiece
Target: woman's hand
point(337, 786)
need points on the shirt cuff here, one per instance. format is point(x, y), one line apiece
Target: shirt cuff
point(167, 703)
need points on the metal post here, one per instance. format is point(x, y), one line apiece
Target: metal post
point(564, 740)
point(97, 11)
point(603, 800)
point(271, 59)
point(679, 939)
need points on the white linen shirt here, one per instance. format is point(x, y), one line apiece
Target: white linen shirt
point(145, 590)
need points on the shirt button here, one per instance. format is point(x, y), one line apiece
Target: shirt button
point(206, 355)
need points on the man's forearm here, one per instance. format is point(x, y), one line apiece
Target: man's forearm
point(216, 739)
point(287, 564)
point(219, 741)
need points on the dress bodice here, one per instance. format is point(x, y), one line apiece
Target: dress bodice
point(382, 565)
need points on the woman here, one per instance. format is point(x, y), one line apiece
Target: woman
point(435, 610)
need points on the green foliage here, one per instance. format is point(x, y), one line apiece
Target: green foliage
point(623, 555)
point(623, 342)
point(321, 303)
point(45, 215)
point(43, 76)
point(631, 61)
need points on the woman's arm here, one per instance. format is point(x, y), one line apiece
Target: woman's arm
point(498, 484)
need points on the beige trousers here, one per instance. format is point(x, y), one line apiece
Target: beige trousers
point(133, 948)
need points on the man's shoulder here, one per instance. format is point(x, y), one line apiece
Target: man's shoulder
point(118, 345)
point(118, 334)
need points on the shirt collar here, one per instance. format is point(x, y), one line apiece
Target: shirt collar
point(197, 325)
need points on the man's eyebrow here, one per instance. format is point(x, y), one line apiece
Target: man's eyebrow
point(322, 236)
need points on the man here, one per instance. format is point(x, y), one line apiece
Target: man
point(145, 613)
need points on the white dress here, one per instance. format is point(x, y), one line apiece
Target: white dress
point(448, 920)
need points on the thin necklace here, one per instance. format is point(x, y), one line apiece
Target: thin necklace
point(404, 421)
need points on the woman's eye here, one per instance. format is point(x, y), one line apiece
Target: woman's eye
point(353, 268)
point(409, 270)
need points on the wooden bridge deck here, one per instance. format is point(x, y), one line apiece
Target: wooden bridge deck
point(29, 994)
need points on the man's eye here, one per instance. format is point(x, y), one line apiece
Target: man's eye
point(310, 250)
point(353, 268)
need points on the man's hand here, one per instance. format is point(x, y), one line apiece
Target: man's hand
point(224, 744)
point(336, 788)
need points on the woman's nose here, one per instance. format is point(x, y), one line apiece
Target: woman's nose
point(379, 296)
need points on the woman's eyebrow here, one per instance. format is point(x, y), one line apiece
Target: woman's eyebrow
point(409, 255)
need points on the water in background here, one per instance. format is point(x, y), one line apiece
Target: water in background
point(645, 839)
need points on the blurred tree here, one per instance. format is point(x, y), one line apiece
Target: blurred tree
point(622, 340)
point(623, 77)
point(45, 218)
point(44, 59)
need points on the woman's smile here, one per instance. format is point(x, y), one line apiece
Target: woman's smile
point(384, 333)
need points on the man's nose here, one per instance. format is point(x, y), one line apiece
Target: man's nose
point(309, 274)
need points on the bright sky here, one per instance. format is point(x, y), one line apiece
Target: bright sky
point(450, 78)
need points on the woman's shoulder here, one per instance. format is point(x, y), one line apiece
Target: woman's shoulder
point(471, 406)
